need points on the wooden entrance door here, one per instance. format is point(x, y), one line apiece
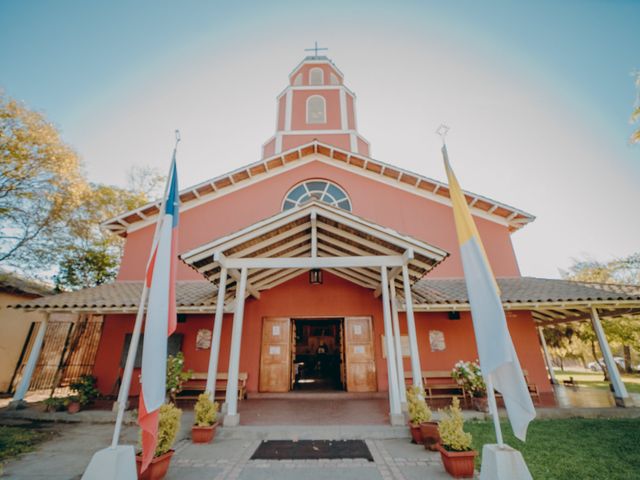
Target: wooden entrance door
point(361, 364)
point(275, 356)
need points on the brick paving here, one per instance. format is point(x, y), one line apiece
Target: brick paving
point(394, 459)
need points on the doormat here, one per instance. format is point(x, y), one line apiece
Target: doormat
point(311, 450)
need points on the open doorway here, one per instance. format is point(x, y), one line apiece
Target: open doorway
point(318, 360)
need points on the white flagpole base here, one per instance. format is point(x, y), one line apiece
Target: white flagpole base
point(503, 463)
point(112, 463)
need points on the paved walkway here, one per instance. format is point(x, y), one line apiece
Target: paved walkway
point(67, 455)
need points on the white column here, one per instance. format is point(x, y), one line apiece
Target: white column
point(232, 417)
point(214, 354)
point(547, 357)
point(416, 369)
point(398, 344)
point(395, 412)
point(27, 373)
point(619, 389)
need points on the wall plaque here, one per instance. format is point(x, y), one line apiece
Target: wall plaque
point(436, 340)
point(203, 339)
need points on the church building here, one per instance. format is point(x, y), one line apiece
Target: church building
point(320, 269)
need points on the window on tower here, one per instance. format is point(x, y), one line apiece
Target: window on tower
point(316, 109)
point(316, 76)
point(298, 80)
point(321, 190)
point(333, 79)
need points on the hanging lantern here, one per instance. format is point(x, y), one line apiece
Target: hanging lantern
point(315, 276)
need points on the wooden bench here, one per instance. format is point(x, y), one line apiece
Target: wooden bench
point(532, 387)
point(438, 384)
point(198, 381)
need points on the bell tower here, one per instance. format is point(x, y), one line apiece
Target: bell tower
point(316, 105)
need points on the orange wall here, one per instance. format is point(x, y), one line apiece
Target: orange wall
point(334, 298)
point(403, 211)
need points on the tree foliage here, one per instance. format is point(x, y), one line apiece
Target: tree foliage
point(50, 214)
point(635, 116)
point(41, 184)
point(579, 340)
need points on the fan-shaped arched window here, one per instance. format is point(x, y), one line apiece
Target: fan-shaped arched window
point(321, 190)
point(333, 79)
point(298, 80)
point(316, 109)
point(316, 76)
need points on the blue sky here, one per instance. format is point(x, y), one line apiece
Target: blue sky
point(540, 92)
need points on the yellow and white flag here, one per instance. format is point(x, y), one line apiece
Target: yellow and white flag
point(498, 359)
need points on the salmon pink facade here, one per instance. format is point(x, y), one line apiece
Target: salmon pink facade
point(380, 198)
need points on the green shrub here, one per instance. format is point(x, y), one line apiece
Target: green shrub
point(419, 411)
point(452, 435)
point(206, 411)
point(176, 375)
point(168, 426)
point(56, 404)
point(85, 389)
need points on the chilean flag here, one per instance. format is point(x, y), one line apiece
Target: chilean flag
point(161, 317)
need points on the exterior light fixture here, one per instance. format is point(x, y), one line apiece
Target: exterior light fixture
point(315, 276)
point(454, 315)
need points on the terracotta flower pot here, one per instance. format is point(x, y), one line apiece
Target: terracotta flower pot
point(73, 407)
point(480, 404)
point(430, 435)
point(157, 469)
point(203, 434)
point(416, 433)
point(458, 464)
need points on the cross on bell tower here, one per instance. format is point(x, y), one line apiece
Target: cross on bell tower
point(315, 49)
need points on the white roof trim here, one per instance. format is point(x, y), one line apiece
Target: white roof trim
point(118, 225)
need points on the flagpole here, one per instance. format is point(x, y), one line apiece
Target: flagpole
point(493, 409)
point(125, 385)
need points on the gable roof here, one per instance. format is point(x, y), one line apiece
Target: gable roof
point(427, 187)
point(314, 229)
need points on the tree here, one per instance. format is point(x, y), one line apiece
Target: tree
point(50, 214)
point(41, 184)
point(635, 116)
point(624, 331)
point(91, 255)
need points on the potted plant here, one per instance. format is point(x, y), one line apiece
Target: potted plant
point(206, 413)
point(55, 404)
point(85, 390)
point(455, 444)
point(168, 426)
point(72, 403)
point(419, 415)
point(469, 375)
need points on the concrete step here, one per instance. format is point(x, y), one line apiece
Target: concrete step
point(313, 432)
point(297, 395)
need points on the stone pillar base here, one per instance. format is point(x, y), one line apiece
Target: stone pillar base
point(231, 420)
point(223, 408)
point(503, 463)
point(396, 419)
point(624, 402)
point(17, 405)
point(404, 407)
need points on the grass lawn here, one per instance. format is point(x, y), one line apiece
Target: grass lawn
point(572, 449)
point(596, 379)
point(17, 440)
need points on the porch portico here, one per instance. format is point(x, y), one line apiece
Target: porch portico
point(315, 236)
